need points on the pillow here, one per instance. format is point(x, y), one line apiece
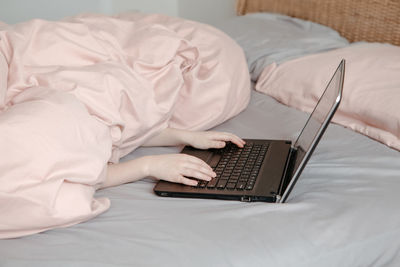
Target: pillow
point(371, 92)
point(268, 37)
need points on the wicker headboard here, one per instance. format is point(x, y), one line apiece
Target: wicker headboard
point(357, 20)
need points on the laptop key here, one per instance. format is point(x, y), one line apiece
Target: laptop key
point(231, 185)
point(240, 185)
point(212, 183)
point(221, 184)
point(202, 184)
point(249, 187)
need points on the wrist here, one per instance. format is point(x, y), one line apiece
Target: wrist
point(183, 137)
point(145, 166)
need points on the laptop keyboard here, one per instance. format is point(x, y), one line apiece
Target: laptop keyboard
point(236, 168)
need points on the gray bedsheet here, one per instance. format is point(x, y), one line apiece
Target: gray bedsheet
point(271, 37)
point(342, 212)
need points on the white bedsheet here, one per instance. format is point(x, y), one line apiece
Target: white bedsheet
point(342, 212)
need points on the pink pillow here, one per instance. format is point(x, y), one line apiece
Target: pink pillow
point(371, 93)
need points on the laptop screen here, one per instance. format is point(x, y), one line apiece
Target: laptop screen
point(319, 118)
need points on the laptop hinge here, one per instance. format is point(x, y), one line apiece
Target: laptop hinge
point(288, 173)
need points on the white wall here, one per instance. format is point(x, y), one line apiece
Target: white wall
point(168, 7)
point(12, 11)
point(207, 11)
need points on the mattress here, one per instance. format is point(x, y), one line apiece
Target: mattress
point(342, 212)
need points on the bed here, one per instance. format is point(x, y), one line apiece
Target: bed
point(342, 211)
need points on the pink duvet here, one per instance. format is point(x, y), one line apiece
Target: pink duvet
point(82, 92)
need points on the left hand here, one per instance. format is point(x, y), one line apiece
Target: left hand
point(211, 139)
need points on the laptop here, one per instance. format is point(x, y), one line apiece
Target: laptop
point(263, 170)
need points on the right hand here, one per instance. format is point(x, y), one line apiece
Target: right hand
point(179, 168)
point(211, 139)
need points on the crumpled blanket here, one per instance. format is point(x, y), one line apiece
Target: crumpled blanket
point(79, 93)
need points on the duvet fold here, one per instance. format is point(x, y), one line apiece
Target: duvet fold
point(83, 92)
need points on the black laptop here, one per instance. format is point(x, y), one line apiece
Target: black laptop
point(263, 170)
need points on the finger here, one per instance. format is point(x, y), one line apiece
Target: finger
point(197, 161)
point(229, 137)
point(196, 174)
point(199, 169)
point(237, 140)
point(217, 144)
point(187, 181)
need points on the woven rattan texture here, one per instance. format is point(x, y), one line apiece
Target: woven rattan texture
point(357, 20)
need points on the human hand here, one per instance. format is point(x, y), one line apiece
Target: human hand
point(211, 139)
point(178, 167)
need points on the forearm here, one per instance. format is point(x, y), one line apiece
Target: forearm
point(169, 137)
point(171, 167)
point(126, 172)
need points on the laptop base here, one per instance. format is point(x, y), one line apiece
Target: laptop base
point(268, 185)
